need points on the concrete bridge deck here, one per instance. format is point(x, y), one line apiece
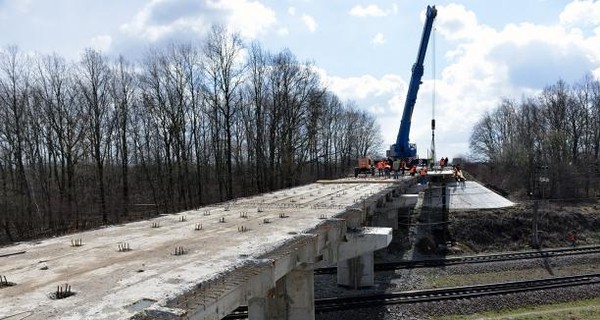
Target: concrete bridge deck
point(204, 263)
point(199, 264)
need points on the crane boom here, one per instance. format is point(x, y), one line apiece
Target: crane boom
point(403, 149)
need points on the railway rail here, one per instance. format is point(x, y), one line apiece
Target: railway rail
point(441, 294)
point(408, 264)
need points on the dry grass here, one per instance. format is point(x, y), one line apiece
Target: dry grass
point(511, 229)
point(576, 310)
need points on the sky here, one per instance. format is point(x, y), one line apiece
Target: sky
point(480, 51)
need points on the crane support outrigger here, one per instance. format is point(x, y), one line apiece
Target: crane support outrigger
point(402, 149)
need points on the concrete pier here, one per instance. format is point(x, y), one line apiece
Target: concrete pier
point(292, 298)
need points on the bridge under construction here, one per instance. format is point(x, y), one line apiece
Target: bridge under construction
point(258, 251)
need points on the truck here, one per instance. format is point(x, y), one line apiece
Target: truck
point(365, 166)
point(403, 149)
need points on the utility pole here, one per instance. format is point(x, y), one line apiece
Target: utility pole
point(541, 180)
point(536, 240)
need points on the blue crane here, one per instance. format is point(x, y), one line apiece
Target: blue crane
point(403, 149)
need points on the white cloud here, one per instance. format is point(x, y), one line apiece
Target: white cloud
point(101, 43)
point(379, 39)
point(457, 23)
point(371, 10)
point(283, 31)
point(584, 12)
point(310, 22)
point(365, 86)
point(292, 11)
point(162, 18)
point(248, 17)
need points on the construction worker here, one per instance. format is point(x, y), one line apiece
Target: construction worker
point(396, 168)
point(386, 169)
point(380, 168)
point(423, 175)
point(457, 173)
point(413, 170)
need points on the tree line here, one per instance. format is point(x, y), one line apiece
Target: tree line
point(100, 140)
point(546, 145)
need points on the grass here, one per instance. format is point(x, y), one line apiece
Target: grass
point(455, 280)
point(575, 310)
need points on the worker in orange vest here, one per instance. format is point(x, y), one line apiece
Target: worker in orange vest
point(380, 168)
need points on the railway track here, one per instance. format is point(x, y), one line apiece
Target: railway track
point(442, 294)
point(390, 266)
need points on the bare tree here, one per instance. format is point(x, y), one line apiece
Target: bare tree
point(94, 80)
point(123, 90)
point(14, 104)
point(223, 68)
point(254, 116)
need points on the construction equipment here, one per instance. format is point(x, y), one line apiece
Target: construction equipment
point(402, 149)
point(365, 165)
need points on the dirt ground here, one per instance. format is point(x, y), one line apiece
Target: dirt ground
point(512, 228)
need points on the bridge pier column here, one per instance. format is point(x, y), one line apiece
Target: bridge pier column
point(357, 272)
point(300, 288)
point(292, 298)
point(257, 308)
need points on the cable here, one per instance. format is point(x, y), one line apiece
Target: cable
point(433, 156)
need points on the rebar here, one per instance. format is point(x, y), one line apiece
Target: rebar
point(123, 246)
point(76, 242)
point(5, 283)
point(62, 292)
point(179, 251)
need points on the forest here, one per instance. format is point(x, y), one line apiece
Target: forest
point(107, 140)
point(546, 146)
